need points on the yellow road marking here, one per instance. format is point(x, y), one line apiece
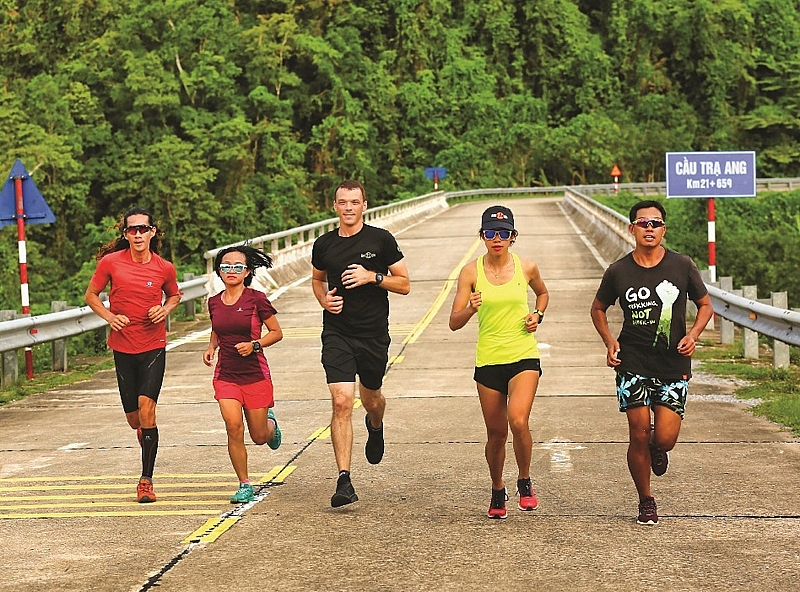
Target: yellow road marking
point(98, 487)
point(396, 359)
point(107, 477)
point(93, 496)
point(440, 299)
point(321, 434)
point(211, 530)
point(280, 474)
point(104, 504)
point(110, 514)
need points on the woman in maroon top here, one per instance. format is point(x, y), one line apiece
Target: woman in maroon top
point(242, 380)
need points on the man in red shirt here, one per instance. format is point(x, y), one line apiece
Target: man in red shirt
point(139, 279)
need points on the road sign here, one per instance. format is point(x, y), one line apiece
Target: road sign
point(435, 172)
point(35, 207)
point(711, 174)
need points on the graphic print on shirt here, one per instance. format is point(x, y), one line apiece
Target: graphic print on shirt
point(643, 307)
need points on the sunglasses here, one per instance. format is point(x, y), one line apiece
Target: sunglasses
point(490, 234)
point(140, 228)
point(651, 222)
point(232, 267)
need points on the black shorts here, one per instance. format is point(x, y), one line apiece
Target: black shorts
point(497, 376)
point(343, 357)
point(139, 374)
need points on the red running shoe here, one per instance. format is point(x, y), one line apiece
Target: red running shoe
point(497, 509)
point(144, 491)
point(527, 497)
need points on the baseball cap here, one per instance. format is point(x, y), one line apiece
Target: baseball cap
point(497, 218)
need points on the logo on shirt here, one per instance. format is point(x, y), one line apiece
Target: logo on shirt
point(149, 284)
point(368, 255)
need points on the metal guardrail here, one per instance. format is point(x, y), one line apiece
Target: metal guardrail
point(30, 331)
point(293, 245)
point(777, 323)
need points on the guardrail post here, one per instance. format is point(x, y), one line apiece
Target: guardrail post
point(780, 350)
point(188, 307)
point(59, 346)
point(726, 326)
point(749, 337)
point(10, 365)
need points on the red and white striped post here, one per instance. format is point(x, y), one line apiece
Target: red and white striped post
point(712, 240)
point(436, 180)
point(23, 267)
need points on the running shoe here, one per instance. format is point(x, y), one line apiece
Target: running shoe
point(659, 460)
point(144, 491)
point(275, 441)
point(374, 447)
point(527, 497)
point(497, 508)
point(244, 494)
point(648, 513)
point(345, 494)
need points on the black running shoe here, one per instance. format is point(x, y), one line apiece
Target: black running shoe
point(659, 460)
point(648, 512)
point(345, 494)
point(374, 447)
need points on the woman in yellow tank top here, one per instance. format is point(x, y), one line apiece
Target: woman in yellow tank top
point(507, 368)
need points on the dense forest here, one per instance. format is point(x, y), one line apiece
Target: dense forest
point(233, 118)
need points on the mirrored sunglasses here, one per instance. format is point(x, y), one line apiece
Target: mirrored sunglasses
point(490, 234)
point(651, 222)
point(232, 267)
point(139, 228)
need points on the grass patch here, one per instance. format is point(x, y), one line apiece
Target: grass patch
point(79, 370)
point(778, 389)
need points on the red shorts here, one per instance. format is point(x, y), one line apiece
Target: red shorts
point(257, 395)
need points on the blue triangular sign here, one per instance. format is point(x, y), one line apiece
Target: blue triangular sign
point(35, 208)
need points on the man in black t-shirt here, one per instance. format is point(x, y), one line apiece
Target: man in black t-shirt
point(652, 356)
point(355, 266)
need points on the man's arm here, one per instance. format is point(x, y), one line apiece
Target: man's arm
point(327, 298)
point(705, 310)
point(600, 321)
point(396, 281)
point(92, 298)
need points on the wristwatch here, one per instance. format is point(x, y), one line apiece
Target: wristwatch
point(378, 279)
point(540, 313)
point(256, 346)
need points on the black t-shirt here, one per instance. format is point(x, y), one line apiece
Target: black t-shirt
point(366, 308)
point(653, 301)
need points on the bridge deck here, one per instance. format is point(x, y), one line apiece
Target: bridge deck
point(68, 465)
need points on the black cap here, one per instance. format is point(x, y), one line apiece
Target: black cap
point(497, 218)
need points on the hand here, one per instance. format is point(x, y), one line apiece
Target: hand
point(117, 322)
point(208, 356)
point(475, 300)
point(612, 356)
point(245, 348)
point(532, 322)
point(333, 304)
point(157, 314)
point(686, 346)
point(355, 275)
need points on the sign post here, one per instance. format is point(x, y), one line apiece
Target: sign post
point(435, 173)
point(20, 199)
point(710, 175)
point(616, 173)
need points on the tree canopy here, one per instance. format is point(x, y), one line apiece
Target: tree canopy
point(234, 119)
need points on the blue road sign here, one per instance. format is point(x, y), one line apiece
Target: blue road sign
point(435, 172)
point(711, 174)
point(36, 209)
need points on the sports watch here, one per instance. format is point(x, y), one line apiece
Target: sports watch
point(256, 346)
point(540, 313)
point(378, 279)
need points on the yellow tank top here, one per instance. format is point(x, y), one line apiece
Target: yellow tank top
point(502, 338)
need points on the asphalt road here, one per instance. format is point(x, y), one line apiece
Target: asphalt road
point(730, 518)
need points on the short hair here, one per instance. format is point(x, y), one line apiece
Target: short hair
point(647, 203)
point(255, 258)
point(349, 185)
